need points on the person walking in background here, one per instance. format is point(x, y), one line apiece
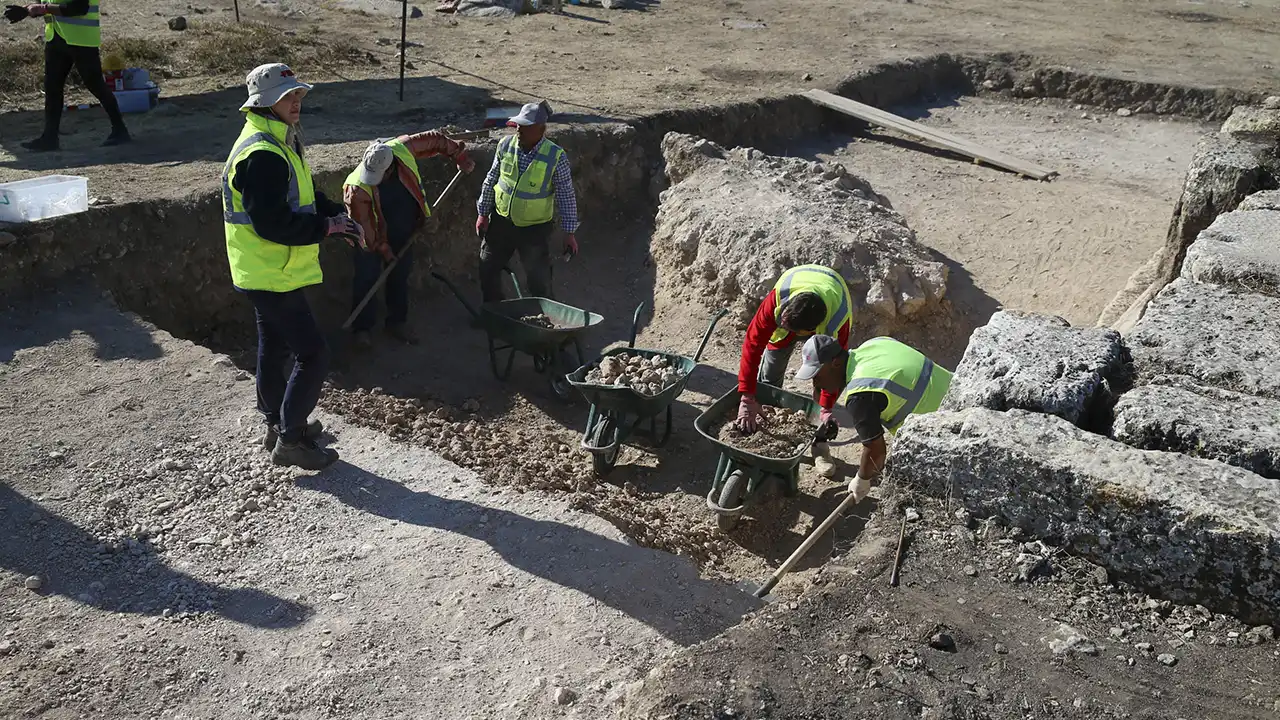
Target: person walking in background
point(72, 37)
point(386, 196)
point(274, 220)
point(528, 184)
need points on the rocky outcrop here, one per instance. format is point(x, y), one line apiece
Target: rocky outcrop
point(1265, 200)
point(1221, 337)
point(733, 220)
point(1190, 530)
point(1248, 120)
point(1240, 250)
point(1175, 414)
point(1040, 363)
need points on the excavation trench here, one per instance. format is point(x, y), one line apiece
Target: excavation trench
point(1063, 247)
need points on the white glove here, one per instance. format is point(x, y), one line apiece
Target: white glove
point(859, 487)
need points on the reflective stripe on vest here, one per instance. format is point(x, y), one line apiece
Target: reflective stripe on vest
point(80, 31)
point(911, 382)
point(526, 198)
point(784, 288)
point(239, 217)
point(910, 397)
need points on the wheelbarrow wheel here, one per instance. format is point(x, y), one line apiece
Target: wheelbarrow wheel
point(604, 434)
point(731, 495)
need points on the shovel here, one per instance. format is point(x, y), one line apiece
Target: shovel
point(790, 562)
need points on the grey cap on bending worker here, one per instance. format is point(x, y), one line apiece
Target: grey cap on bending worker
point(881, 382)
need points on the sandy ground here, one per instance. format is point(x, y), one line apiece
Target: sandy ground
point(180, 570)
point(598, 64)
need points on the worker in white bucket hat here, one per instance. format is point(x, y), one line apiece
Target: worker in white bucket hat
point(274, 220)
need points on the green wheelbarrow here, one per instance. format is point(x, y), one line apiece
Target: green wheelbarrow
point(507, 333)
point(741, 474)
point(618, 410)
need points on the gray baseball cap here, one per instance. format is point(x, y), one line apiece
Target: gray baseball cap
point(377, 158)
point(267, 84)
point(818, 351)
point(531, 114)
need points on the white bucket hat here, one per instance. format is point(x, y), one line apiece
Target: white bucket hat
point(267, 84)
point(377, 158)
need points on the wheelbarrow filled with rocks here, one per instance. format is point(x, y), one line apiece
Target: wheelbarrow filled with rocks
point(629, 386)
point(748, 463)
point(539, 327)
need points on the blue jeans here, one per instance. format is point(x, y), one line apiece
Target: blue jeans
point(368, 266)
point(286, 327)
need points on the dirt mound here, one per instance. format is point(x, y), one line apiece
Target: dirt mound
point(733, 221)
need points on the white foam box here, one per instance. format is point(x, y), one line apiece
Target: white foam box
point(43, 197)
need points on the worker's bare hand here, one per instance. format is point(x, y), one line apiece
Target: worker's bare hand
point(464, 161)
point(482, 226)
point(570, 246)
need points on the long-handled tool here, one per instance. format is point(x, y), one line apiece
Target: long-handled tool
point(386, 271)
point(804, 547)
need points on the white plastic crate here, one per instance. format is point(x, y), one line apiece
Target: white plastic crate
point(43, 197)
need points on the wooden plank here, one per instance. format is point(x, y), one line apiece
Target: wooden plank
point(933, 135)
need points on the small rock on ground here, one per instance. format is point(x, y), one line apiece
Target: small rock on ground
point(564, 696)
point(178, 24)
point(33, 583)
point(1167, 659)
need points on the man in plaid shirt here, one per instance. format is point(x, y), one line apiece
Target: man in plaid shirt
point(527, 186)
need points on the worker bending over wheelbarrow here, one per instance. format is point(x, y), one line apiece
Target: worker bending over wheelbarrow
point(386, 196)
point(807, 299)
point(881, 382)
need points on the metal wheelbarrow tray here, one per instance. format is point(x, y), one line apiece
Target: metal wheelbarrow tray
point(741, 474)
point(506, 332)
point(617, 411)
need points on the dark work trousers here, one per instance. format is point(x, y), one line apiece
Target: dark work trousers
point(59, 58)
point(504, 239)
point(286, 327)
point(368, 266)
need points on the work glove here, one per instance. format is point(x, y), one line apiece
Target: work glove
point(827, 427)
point(344, 227)
point(570, 246)
point(482, 226)
point(749, 414)
point(464, 161)
point(859, 487)
point(15, 13)
point(37, 10)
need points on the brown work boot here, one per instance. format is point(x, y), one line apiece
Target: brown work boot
point(402, 333)
point(305, 454)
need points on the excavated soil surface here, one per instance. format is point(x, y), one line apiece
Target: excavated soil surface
point(782, 433)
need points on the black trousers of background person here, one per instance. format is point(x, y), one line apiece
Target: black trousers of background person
point(504, 239)
point(59, 58)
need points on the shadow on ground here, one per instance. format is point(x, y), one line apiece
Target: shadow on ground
point(36, 541)
point(634, 580)
point(32, 324)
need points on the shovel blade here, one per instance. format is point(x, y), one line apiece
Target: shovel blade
point(754, 589)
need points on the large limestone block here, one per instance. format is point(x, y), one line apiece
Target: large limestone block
point(1256, 121)
point(1219, 336)
point(1239, 250)
point(1040, 363)
point(1176, 414)
point(1264, 200)
point(1186, 529)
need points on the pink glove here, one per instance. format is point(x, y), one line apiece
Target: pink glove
point(570, 246)
point(37, 10)
point(749, 414)
point(482, 226)
point(344, 227)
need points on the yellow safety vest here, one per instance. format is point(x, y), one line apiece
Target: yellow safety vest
point(911, 382)
point(526, 198)
point(827, 284)
point(258, 264)
point(82, 31)
point(404, 155)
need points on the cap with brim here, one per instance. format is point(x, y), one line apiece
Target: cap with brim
point(530, 114)
point(373, 166)
point(818, 351)
point(268, 84)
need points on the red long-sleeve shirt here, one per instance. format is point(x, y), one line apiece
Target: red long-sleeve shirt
point(756, 341)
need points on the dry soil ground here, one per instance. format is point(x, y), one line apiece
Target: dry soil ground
point(371, 591)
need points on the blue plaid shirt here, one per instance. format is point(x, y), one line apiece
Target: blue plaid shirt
point(561, 178)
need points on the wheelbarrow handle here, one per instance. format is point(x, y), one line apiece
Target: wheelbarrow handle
point(707, 335)
point(457, 293)
point(635, 325)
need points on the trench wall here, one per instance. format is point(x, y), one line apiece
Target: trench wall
point(165, 259)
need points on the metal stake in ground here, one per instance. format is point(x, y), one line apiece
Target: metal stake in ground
point(404, 22)
point(237, 4)
point(386, 271)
